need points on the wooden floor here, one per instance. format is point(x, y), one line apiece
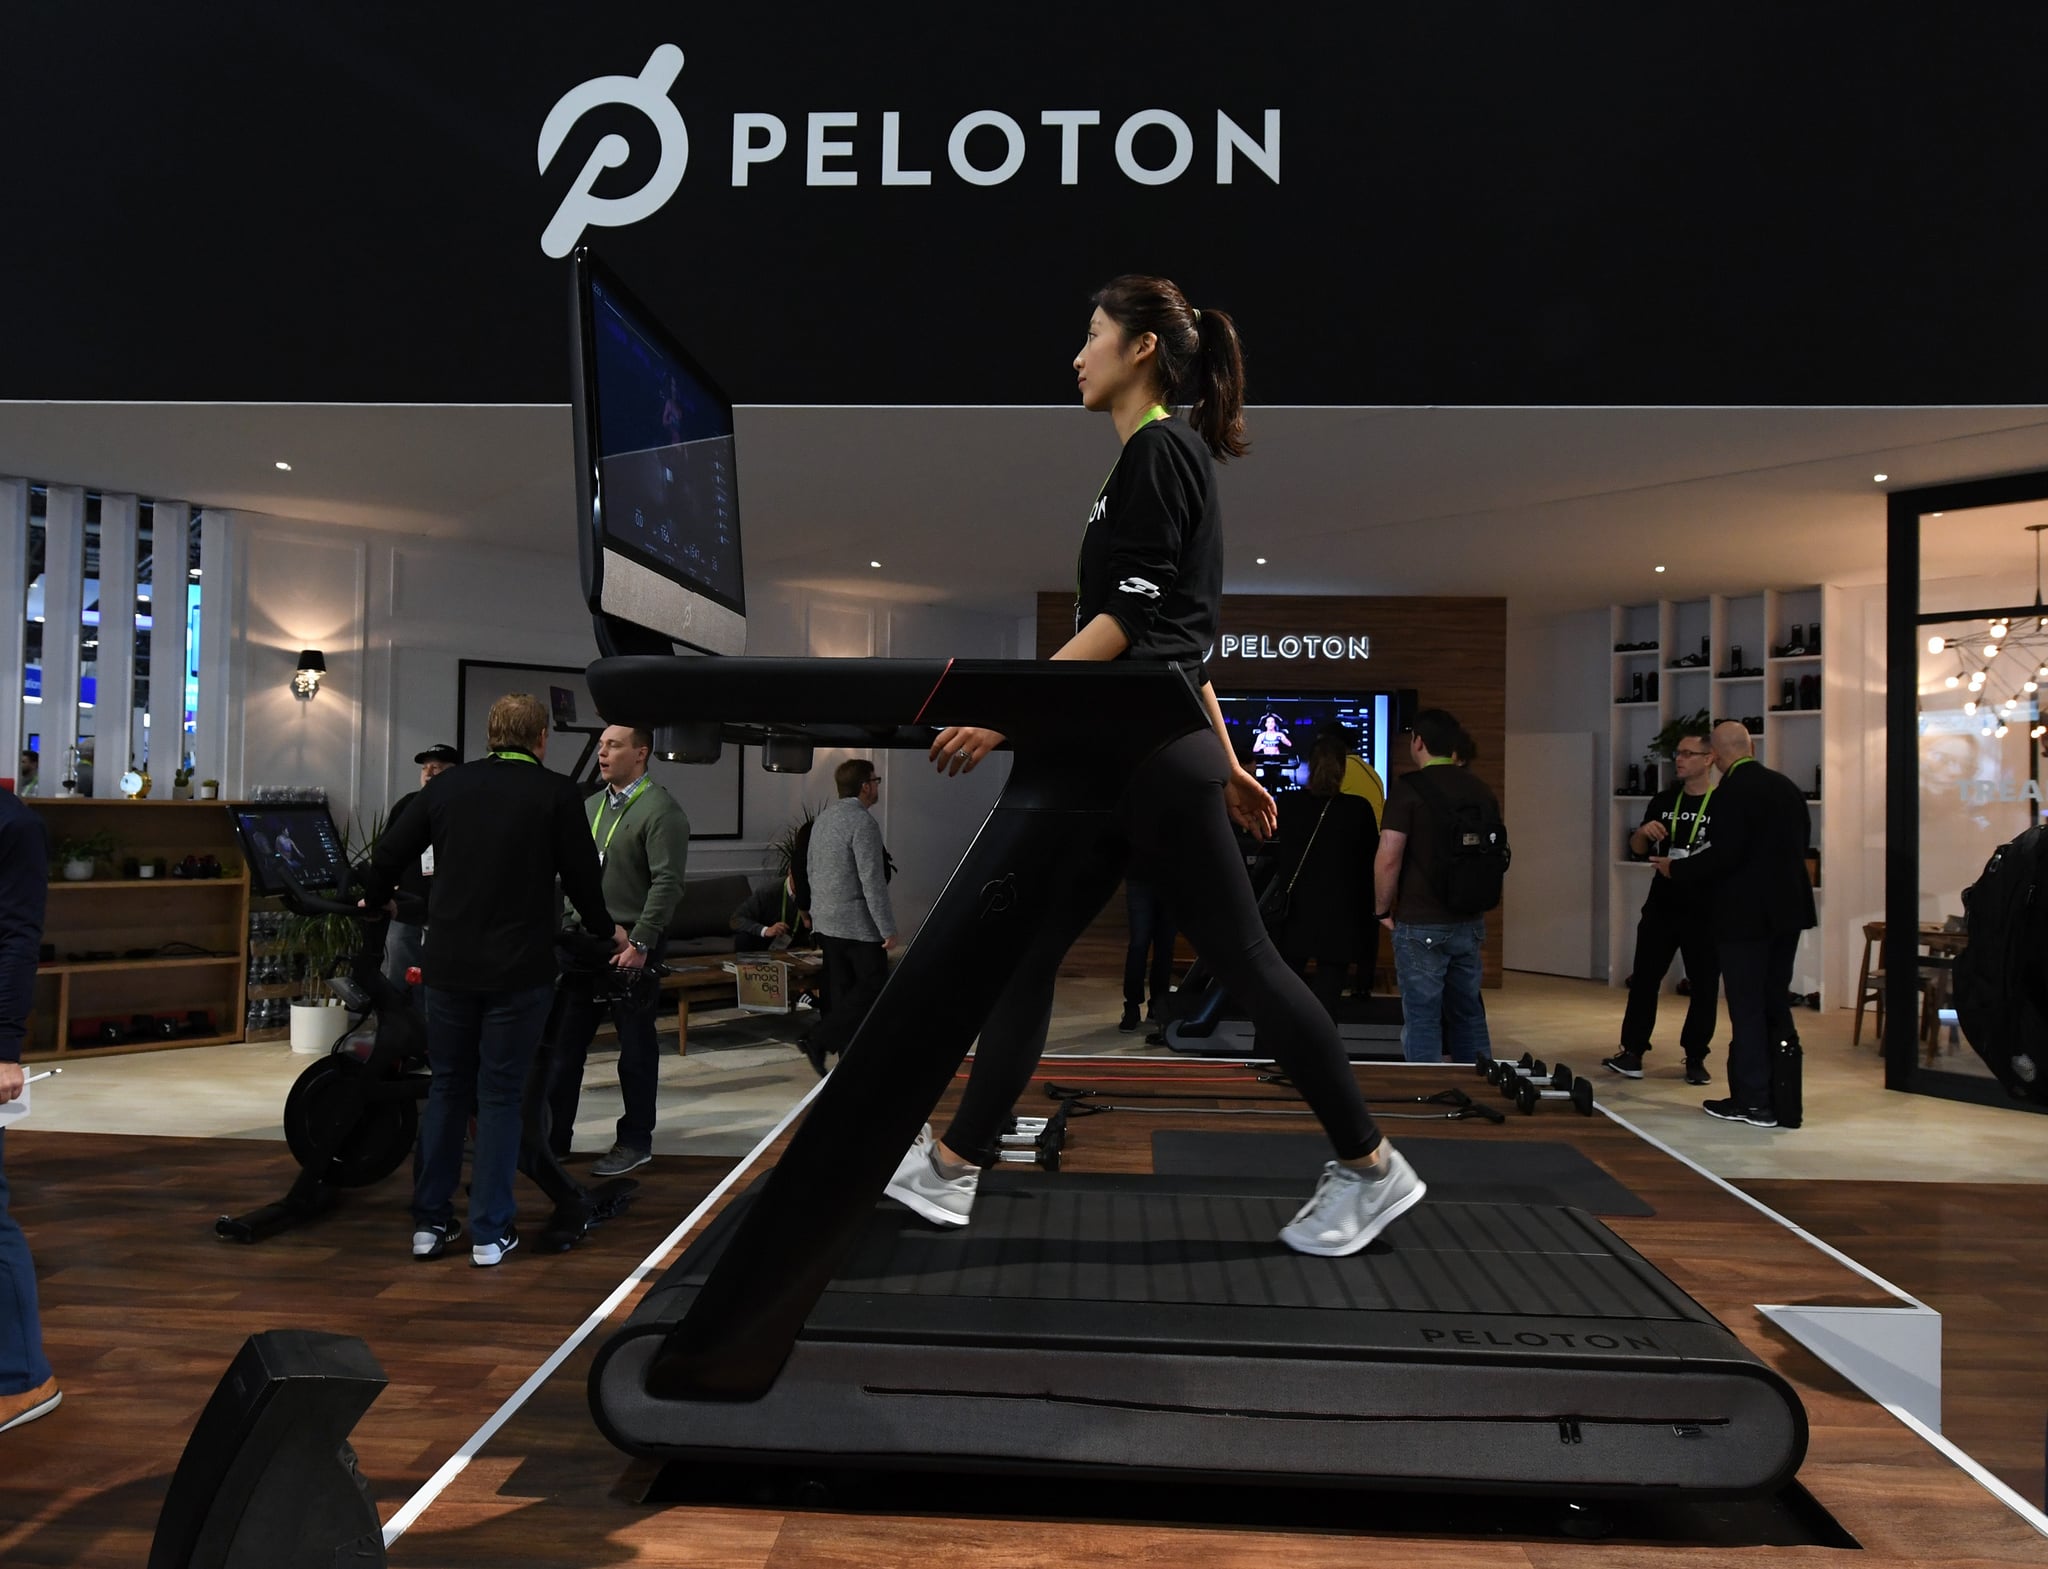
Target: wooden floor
point(143, 1308)
point(1972, 1253)
point(547, 1491)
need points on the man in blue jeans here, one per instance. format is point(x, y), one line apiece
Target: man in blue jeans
point(1436, 947)
point(28, 1389)
point(502, 830)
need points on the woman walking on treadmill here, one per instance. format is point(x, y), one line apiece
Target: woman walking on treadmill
point(1148, 586)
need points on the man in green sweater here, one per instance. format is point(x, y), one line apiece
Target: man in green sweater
point(643, 842)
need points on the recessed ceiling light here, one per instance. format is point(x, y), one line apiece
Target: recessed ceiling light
point(1259, 560)
point(1934, 514)
point(1879, 479)
point(1660, 569)
point(286, 467)
point(876, 565)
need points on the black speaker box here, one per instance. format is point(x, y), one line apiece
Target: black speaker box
point(268, 1480)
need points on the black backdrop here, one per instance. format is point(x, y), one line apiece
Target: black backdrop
point(1519, 203)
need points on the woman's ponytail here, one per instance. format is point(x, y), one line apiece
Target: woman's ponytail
point(1218, 386)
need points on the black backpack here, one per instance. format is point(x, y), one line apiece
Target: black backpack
point(2001, 995)
point(1475, 848)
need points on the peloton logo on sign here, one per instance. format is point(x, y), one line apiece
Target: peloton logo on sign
point(1305, 645)
point(985, 147)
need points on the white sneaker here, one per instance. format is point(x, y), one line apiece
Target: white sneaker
point(918, 1186)
point(432, 1241)
point(1347, 1210)
point(489, 1255)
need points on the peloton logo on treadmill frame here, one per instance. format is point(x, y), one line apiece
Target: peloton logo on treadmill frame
point(1529, 1339)
point(759, 139)
point(999, 896)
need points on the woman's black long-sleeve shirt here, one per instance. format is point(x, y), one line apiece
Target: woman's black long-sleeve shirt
point(1152, 554)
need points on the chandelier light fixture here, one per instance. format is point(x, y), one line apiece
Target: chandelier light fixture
point(2003, 662)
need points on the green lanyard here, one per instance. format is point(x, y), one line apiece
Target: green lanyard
point(516, 757)
point(1439, 762)
point(1698, 815)
point(623, 807)
point(1157, 411)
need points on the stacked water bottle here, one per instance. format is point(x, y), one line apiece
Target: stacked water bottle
point(268, 969)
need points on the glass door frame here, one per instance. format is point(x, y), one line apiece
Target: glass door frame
point(1904, 620)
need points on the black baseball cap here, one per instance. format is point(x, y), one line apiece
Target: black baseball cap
point(441, 752)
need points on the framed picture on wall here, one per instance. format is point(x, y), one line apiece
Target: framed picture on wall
point(713, 796)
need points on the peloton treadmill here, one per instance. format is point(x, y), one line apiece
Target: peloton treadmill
point(1103, 1326)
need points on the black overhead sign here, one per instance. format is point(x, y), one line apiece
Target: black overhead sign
point(1417, 201)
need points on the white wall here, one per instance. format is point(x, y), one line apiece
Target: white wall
point(1557, 674)
point(394, 614)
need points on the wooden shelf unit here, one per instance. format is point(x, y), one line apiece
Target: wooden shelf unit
point(122, 915)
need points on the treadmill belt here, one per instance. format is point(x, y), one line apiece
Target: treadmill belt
point(1458, 1171)
point(1076, 1238)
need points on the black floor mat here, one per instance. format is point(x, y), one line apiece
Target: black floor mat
point(1533, 1171)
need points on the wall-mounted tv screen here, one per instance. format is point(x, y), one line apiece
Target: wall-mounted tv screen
point(1272, 732)
point(299, 838)
point(657, 480)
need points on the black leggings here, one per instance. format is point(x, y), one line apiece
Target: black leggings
point(1175, 828)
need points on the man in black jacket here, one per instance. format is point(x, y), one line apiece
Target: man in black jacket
point(1762, 899)
point(502, 829)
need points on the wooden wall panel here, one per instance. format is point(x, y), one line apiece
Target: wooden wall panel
point(1452, 651)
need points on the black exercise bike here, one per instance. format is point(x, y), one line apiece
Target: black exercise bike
point(352, 1118)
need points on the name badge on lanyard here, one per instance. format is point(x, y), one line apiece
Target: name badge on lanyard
point(619, 814)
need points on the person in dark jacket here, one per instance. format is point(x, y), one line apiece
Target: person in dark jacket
point(1329, 839)
point(405, 941)
point(502, 829)
point(28, 1389)
point(1762, 899)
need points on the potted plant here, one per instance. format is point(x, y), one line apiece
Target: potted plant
point(321, 947)
point(181, 785)
point(209, 789)
point(78, 856)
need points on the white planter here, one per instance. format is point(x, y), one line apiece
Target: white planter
point(77, 871)
point(208, 792)
point(315, 1026)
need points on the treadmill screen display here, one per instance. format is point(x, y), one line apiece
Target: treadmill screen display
point(1272, 734)
point(301, 839)
point(664, 454)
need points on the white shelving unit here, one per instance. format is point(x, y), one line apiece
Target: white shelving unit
point(1737, 673)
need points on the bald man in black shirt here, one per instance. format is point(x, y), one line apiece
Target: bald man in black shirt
point(1762, 899)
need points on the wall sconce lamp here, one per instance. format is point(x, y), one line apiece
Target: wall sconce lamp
point(306, 679)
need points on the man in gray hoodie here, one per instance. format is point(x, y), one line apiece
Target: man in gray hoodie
point(849, 906)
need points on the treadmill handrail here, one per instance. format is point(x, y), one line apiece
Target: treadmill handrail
point(1035, 698)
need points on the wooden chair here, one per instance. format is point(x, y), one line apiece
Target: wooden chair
point(1870, 987)
point(1869, 984)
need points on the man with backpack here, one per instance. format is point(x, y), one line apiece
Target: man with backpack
point(1443, 853)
